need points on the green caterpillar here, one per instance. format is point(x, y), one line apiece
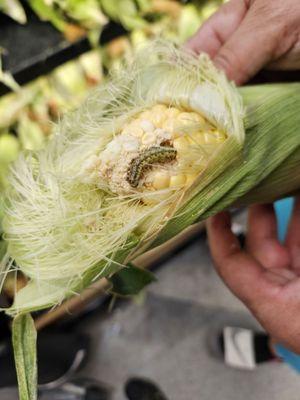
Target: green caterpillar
point(153, 155)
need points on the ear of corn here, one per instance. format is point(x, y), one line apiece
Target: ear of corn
point(118, 167)
point(157, 148)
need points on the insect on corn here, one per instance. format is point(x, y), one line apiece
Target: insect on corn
point(148, 157)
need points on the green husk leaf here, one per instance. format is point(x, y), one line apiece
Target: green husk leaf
point(130, 281)
point(24, 344)
point(3, 247)
point(144, 5)
point(47, 12)
point(124, 11)
point(86, 12)
point(111, 8)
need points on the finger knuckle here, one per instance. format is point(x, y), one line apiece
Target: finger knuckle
point(282, 19)
point(232, 64)
point(248, 3)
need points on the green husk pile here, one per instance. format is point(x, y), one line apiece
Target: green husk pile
point(64, 231)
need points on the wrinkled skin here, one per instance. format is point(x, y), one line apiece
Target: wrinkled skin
point(243, 37)
point(265, 275)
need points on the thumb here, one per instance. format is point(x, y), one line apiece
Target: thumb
point(253, 45)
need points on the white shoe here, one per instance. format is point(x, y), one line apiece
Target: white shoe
point(239, 349)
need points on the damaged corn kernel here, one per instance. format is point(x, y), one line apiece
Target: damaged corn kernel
point(161, 147)
point(177, 180)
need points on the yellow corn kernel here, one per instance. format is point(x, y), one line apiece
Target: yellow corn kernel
point(181, 124)
point(182, 121)
point(169, 125)
point(197, 117)
point(161, 181)
point(190, 178)
point(177, 180)
point(158, 118)
point(210, 138)
point(172, 112)
point(145, 115)
point(193, 116)
point(126, 130)
point(149, 138)
point(181, 143)
point(147, 125)
point(159, 108)
point(189, 117)
point(177, 134)
point(185, 116)
point(220, 136)
point(135, 130)
point(196, 138)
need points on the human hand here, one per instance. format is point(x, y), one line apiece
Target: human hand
point(265, 275)
point(244, 36)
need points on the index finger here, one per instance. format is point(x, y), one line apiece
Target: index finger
point(218, 28)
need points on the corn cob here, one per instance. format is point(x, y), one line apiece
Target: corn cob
point(158, 129)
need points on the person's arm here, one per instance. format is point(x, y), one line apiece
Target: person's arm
point(246, 35)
